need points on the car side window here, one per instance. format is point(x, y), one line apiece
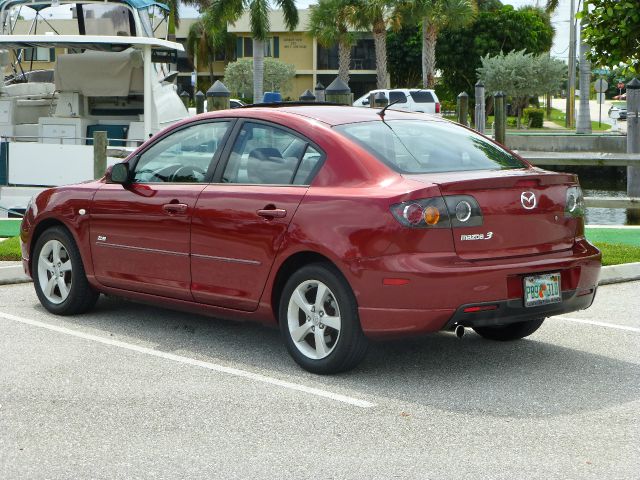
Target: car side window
point(183, 156)
point(397, 97)
point(307, 166)
point(265, 155)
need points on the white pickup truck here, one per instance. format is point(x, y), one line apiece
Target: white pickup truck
point(409, 99)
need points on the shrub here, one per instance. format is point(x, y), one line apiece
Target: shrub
point(534, 117)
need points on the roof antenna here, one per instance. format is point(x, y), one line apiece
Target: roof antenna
point(380, 97)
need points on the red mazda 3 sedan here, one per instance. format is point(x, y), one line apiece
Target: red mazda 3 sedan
point(338, 224)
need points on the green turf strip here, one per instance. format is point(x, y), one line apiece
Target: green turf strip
point(10, 228)
point(618, 236)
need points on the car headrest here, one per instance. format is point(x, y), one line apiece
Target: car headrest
point(266, 166)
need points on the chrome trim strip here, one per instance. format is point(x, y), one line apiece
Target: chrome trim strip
point(227, 259)
point(141, 249)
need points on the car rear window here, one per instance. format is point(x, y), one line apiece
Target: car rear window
point(416, 146)
point(422, 97)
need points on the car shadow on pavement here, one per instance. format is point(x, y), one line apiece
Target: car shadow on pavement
point(515, 379)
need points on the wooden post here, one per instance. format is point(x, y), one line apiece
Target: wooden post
point(500, 129)
point(185, 97)
point(218, 97)
point(633, 142)
point(199, 102)
point(99, 154)
point(307, 96)
point(339, 92)
point(463, 109)
point(479, 110)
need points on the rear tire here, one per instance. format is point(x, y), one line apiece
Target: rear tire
point(58, 274)
point(513, 331)
point(319, 320)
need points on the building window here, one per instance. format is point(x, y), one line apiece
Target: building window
point(363, 56)
point(244, 47)
point(38, 54)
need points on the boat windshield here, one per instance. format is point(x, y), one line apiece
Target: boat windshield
point(107, 19)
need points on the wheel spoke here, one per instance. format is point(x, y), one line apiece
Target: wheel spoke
point(48, 265)
point(333, 322)
point(57, 248)
point(321, 346)
point(51, 284)
point(301, 302)
point(320, 296)
point(302, 331)
point(66, 266)
point(64, 291)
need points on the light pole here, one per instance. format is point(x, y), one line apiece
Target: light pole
point(571, 90)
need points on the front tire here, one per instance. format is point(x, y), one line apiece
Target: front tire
point(319, 320)
point(58, 274)
point(513, 331)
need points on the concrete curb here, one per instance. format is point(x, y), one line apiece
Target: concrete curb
point(626, 272)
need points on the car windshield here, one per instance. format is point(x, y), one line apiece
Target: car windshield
point(416, 146)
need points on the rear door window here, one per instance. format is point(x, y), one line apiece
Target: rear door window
point(267, 155)
point(397, 97)
point(422, 97)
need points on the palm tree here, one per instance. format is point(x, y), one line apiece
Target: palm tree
point(330, 22)
point(377, 15)
point(229, 11)
point(435, 15)
point(203, 40)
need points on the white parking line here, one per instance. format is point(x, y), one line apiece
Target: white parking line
point(197, 363)
point(11, 266)
point(601, 324)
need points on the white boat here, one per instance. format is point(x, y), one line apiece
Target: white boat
point(115, 77)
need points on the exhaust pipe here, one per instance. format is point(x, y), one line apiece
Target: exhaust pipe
point(459, 331)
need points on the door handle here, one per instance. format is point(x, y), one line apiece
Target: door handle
point(272, 213)
point(175, 208)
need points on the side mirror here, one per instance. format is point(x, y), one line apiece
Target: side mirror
point(120, 173)
point(365, 101)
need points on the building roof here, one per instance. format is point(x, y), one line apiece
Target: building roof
point(276, 22)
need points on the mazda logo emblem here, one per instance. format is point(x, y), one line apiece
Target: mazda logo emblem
point(528, 200)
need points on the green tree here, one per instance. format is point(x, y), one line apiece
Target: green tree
point(521, 75)
point(497, 28)
point(203, 39)
point(405, 53)
point(238, 76)
point(378, 16)
point(230, 11)
point(435, 15)
point(330, 22)
point(612, 30)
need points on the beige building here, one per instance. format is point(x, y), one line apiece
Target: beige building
point(313, 62)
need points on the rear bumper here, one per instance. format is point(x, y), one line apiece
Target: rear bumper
point(438, 288)
point(513, 311)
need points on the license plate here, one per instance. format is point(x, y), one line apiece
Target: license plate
point(542, 289)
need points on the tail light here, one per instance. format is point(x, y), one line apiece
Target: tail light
point(574, 203)
point(463, 210)
point(437, 107)
point(450, 211)
point(424, 213)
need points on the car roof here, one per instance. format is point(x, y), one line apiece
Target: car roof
point(329, 114)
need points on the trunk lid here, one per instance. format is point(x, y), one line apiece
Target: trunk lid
point(513, 222)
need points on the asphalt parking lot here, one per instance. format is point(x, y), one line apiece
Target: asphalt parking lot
point(132, 391)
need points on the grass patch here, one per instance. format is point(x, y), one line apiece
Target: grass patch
point(616, 254)
point(10, 249)
point(558, 117)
